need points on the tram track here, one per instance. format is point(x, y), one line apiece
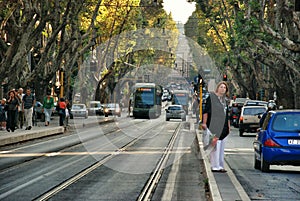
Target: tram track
point(150, 185)
point(34, 156)
point(79, 175)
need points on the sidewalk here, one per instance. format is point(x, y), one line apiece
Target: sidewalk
point(222, 186)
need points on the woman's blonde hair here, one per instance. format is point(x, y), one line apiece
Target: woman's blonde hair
point(219, 84)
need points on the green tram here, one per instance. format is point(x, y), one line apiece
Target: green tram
point(146, 100)
point(181, 97)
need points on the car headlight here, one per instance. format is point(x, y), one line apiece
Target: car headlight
point(106, 110)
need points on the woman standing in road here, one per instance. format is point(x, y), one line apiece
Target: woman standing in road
point(48, 106)
point(216, 118)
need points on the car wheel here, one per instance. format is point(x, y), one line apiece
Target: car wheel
point(241, 133)
point(106, 115)
point(257, 163)
point(265, 166)
point(167, 119)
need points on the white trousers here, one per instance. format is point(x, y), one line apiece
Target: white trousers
point(217, 156)
point(28, 116)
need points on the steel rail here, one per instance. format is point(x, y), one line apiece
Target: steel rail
point(91, 168)
point(150, 186)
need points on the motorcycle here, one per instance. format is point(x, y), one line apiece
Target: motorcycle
point(235, 121)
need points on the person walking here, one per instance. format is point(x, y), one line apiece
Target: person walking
point(216, 119)
point(12, 107)
point(195, 106)
point(62, 111)
point(28, 105)
point(68, 112)
point(20, 120)
point(3, 119)
point(48, 105)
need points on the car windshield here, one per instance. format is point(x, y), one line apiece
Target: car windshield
point(112, 105)
point(287, 122)
point(95, 105)
point(254, 111)
point(77, 106)
point(174, 108)
point(256, 103)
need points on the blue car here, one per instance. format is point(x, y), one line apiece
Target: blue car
point(278, 140)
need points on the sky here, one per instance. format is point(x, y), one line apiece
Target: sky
point(180, 9)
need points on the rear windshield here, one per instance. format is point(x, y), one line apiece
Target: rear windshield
point(94, 105)
point(287, 122)
point(174, 108)
point(254, 111)
point(78, 106)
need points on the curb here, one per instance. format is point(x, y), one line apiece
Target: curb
point(213, 187)
point(29, 135)
point(13, 138)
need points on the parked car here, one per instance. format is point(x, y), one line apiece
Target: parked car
point(79, 110)
point(255, 103)
point(95, 108)
point(111, 109)
point(175, 112)
point(249, 118)
point(278, 140)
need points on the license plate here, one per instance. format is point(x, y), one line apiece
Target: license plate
point(293, 142)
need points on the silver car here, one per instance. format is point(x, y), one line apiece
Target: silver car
point(79, 110)
point(175, 112)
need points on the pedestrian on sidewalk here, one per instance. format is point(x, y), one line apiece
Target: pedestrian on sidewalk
point(61, 108)
point(20, 115)
point(12, 107)
point(3, 109)
point(216, 119)
point(48, 105)
point(68, 113)
point(28, 105)
point(195, 106)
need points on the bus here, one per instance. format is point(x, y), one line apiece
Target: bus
point(181, 97)
point(146, 100)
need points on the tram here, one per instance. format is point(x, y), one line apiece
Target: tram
point(146, 100)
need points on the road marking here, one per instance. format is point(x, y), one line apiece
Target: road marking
point(239, 150)
point(52, 154)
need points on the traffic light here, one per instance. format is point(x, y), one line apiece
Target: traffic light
point(224, 77)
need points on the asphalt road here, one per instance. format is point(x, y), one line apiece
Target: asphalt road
point(112, 161)
point(282, 183)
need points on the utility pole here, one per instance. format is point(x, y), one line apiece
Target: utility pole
point(61, 92)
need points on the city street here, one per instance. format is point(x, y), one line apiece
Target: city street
point(128, 159)
point(133, 159)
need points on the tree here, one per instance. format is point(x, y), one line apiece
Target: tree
point(260, 45)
